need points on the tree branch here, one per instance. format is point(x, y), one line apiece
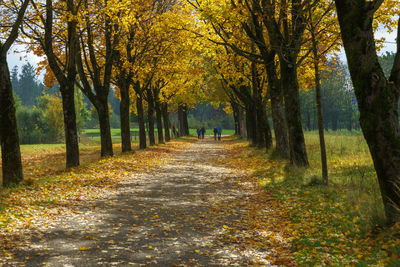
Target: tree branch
point(14, 30)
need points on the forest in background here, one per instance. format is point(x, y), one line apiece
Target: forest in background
point(40, 121)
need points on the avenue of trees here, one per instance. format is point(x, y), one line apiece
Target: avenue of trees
point(256, 57)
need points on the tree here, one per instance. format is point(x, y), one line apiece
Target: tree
point(377, 96)
point(9, 140)
point(53, 31)
point(95, 61)
point(28, 88)
point(317, 30)
point(51, 109)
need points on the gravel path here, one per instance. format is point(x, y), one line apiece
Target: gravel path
point(178, 215)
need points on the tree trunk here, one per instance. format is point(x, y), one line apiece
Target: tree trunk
point(165, 114)
point(267, 128)
point(261, 126)
point(105, 129)
point(277, 108)
point(324, 164)
point(377, 98)
point(260, 131)
point(251, 123)
point(235, 109)
point(159, 122)
point(242, 124)
point(150, 117)
point(10, 149)
point(185, 121)
point(142, 127)
point(124, 116)
point(297, 147)
point(70, 128)
point(180, 121)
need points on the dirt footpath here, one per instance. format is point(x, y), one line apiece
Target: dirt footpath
point(186, 213)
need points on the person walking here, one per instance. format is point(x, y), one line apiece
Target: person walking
point(198, 133)
point(215, 133)
point(219, 132)
point(203, 132)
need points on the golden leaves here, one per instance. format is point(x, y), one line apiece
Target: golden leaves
point(55, 192)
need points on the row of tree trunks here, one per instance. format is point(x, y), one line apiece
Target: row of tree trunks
point(154, 106)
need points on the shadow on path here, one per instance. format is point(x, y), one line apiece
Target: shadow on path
point(177, 215)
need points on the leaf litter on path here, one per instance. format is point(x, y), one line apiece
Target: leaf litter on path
point(181, 204)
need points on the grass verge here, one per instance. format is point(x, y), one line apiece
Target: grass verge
point(339, 224)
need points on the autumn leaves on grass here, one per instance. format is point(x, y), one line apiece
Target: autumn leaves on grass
point(30, 207)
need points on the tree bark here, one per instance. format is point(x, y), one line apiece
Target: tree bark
point(124, 116)
point(297, 147)
point(267, 128)
point(185, 121)
point(142, 127)
point(10, 149)
point(105, 129)
point(263, 131)
point(180, 121)
point(261, 126)
point(150, 117)
point(159, 121)
point(242, 123)
point(165, 114)
point(277, 109)
point(235, 109)
point(377, 97)
point(70, 128)
point(251, 122)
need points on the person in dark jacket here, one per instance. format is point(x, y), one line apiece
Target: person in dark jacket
point(215, 133)
point(203, 132)
point(219, 132)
